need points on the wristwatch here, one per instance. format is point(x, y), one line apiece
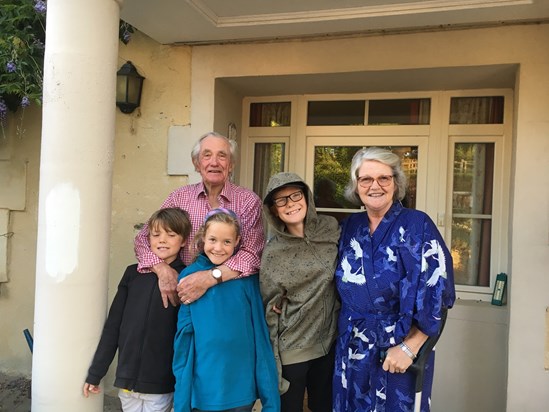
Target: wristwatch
point(216, 273)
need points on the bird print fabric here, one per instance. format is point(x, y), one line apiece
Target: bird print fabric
point(400, 275)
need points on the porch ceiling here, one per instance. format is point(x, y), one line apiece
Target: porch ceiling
point(225, 21)
point(408, 80)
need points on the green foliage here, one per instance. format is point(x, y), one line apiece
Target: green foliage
point(333, 164)
point(22, 44)
point(22, 39)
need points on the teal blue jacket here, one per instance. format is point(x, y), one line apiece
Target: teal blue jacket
point(222, 352)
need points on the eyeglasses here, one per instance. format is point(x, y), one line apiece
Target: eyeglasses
point(283, 200)
point(367, 181)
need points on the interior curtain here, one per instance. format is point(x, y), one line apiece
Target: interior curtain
point(476, 110)
point(262, 170)
point(480, 238)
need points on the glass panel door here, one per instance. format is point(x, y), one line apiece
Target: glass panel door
point(331, 174)
point(269, 159)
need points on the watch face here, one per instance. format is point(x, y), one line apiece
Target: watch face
point(216, 273)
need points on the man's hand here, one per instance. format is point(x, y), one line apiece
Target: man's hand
point(167, 282)
point(192, 287)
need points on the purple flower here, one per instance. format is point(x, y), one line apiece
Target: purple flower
point(40, 6)
point(25, 102)
point(11, 67)
point(3, 110)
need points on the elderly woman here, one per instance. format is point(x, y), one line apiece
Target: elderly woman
point(394, 276)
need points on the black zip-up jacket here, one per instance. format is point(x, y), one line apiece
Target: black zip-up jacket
point(143, 331)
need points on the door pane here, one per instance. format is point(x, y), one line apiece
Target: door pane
point(269, 159)
point(332, 167)
point(472, 212)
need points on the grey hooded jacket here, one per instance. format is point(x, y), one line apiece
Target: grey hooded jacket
point(297, 275)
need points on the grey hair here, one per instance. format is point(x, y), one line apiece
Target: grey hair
point(380, 155)
point(195, 152)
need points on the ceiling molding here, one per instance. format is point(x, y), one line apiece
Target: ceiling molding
point(236, 21)
point(311, 16)
point(363, 33)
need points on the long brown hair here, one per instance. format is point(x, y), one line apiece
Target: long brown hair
point(219, 215)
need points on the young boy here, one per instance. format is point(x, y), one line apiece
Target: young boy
point(141, 328)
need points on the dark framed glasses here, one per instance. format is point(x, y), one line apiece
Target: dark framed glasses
point(283, 200)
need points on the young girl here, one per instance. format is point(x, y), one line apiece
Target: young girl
point(297, 284)
point(222, 354)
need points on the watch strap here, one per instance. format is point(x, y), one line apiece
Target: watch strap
point(219, 279)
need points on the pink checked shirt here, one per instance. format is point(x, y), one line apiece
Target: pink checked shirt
point(192, 198)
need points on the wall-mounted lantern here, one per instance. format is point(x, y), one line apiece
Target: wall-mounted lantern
point(129, 85)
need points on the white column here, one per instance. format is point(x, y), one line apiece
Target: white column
point(75, 199)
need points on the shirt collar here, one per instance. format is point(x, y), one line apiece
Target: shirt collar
point(226, 192)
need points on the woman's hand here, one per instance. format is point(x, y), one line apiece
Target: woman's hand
point(396, 361)
point(278, 306)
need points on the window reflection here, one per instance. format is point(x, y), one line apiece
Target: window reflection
point(399, 112)
point(332, 170)
point(336, 113)
point(472, 212)
point(380, 112)
point(269, 159)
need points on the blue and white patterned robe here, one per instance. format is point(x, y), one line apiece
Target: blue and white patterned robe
point(398, 277)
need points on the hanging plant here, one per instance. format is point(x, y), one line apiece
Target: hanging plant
point(22, 43)
point(22, 37)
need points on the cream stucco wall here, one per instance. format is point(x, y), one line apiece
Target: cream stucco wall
point(140, 179)
point(528, 380)
point(17, 295)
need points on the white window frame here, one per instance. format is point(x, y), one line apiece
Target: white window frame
point(500, 135)
point(435, 142)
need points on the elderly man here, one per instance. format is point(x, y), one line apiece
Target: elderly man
point(213, 157)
